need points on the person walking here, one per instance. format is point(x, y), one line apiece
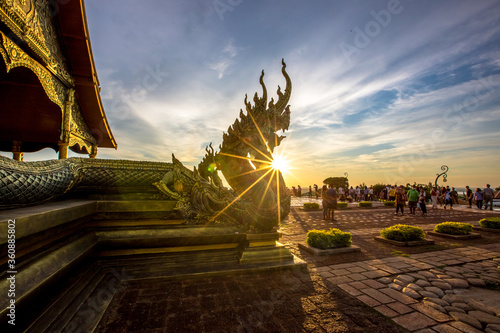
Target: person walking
point(469, 195)
point(442, 195)
point(488, 197)
point(454, 195)
point(434, 197)
point(413, 199)
point(400, 200)
point(479, 198)
point(447, 198)
point(422, 201)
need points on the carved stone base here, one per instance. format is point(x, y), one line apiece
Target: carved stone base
point(263, 248)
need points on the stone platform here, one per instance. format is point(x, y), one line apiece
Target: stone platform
point(74, 254)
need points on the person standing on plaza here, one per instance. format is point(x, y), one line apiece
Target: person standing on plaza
point(316, 190)
point(358, 194)
point(479, 198)
point(299, 191)
point(412, 200)
point(331, 196)
point(370, 194)
point(392, 193)
point(447, 198)
point(454, 195)
point(442, 197)
point(422, 199)
point(341, 194)
point(310, 194)
point(469, 195)
point(488, 197)
point(434, 197)
point(324, 202)
point(400, 200)
point(382, 194)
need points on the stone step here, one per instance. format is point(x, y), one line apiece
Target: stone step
point(87, 310)
point(170, 264)
point(66, 299)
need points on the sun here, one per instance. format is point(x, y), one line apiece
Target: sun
point(279, 163)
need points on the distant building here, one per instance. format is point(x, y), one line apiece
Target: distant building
point(49, 90)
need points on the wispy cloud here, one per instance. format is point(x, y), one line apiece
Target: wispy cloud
point(224, 60)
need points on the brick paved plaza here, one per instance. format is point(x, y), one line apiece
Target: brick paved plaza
point(383, 288)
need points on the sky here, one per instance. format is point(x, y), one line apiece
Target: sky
point(387, 91)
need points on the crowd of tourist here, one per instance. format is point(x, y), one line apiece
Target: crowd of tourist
point(416, 197)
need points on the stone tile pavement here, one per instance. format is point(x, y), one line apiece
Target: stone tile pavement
point(428, 292)
point(439, 291)
point(286, 301)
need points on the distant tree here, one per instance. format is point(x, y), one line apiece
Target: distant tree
point(377, 188)
point(337, 182)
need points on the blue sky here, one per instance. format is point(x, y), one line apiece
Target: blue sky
point(387, 91)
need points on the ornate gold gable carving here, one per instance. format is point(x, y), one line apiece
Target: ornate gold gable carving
point(80, 131)
point(31, 21)
point(14, 57)
point(75, 131)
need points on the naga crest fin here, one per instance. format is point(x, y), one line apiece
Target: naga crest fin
point(284, 97)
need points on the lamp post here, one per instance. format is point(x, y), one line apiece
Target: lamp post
point(445, 169)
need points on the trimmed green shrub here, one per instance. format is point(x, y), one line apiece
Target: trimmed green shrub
point(453, 228)
point(311, 206)
point(403, 233)
point(328, 239)
point(365, 204)
point(389, 203)
point(341, 205)
point(490, 222)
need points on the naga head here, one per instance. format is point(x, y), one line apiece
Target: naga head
point(246, 154)
point(258, 199)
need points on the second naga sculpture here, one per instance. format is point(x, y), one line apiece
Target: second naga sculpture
point(257, 201)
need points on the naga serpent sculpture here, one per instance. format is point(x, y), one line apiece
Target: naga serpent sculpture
point(257, 200)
